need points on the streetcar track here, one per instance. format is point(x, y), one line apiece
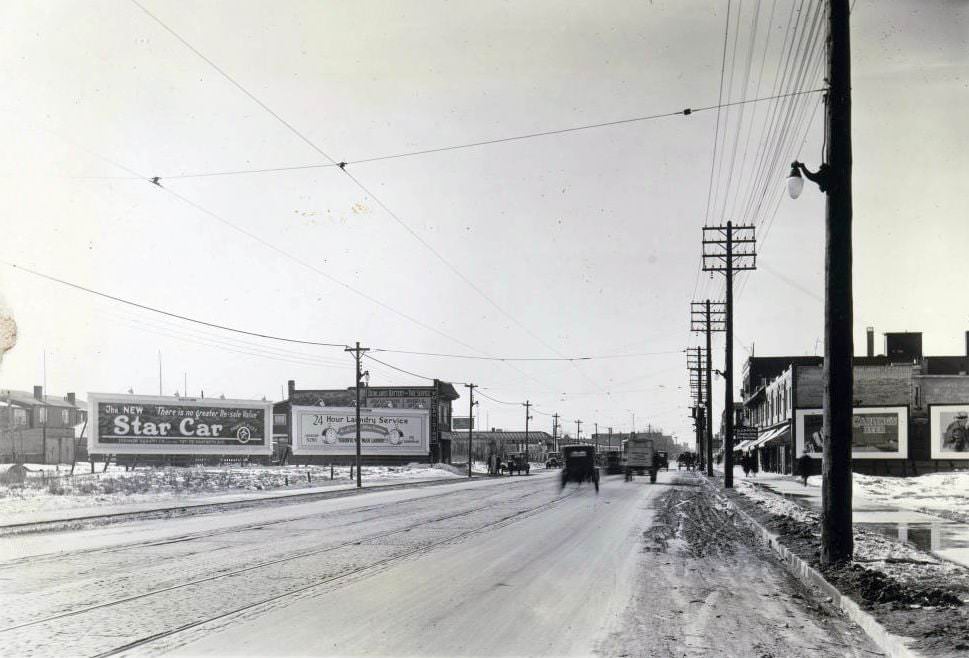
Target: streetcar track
point(260, 565)
point(517, 516)
point(118, 548)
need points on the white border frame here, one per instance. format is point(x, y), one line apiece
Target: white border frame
point(297, 413)
point(935, 431)
point(901, 453)
point(95, 447)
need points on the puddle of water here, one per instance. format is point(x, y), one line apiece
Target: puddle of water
point(929, 537)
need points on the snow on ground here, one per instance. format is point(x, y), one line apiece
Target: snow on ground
point(875, 551)
point(935, 492)
point(49, 488)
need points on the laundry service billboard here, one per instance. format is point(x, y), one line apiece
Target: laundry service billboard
point(148, 425)
point(383, 431)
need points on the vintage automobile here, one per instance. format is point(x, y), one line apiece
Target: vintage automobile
point(662, 460)
point(554, 460)
point(613, 461)
point(579, 465)
point(516, 462)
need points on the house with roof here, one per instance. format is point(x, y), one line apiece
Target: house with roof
point(39, 428)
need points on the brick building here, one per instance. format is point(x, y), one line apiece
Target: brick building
point(911, 410)
point(39, 428)
point(436, 398)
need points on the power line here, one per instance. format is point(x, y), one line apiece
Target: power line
point(716, 133)
point(487, 142)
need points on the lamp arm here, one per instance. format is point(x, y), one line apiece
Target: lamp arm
point(821, 177)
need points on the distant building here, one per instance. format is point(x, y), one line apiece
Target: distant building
point(436, 398)
point(500, 442)
point(39, 428)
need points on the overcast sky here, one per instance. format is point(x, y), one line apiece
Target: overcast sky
point(575, 244)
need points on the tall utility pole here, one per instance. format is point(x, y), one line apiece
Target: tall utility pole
point(707, 316)
point(471, 404)
point(610, 438)
point(528, 417)
point(578, 430)
point(358, 353)
point(596, 435)
point(720, 255)
point(696, 360)
point(837, 541)
point(834, 179)
point(555, 429)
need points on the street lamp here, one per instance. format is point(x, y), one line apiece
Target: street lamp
point(795, 183)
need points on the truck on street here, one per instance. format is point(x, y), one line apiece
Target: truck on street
point(640, 457)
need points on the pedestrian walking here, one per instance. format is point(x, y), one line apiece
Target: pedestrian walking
point(804, 465)
point(754, 463)
point(745, 464)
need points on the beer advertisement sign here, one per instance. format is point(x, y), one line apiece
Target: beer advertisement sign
point(333, 431)
point(148, 425)
point(877, 432)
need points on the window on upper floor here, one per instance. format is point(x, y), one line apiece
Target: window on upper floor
point(42, 414)
point(279, 419)
point(65, 417)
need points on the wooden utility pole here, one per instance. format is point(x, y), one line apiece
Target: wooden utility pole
point(471, 404)
point(578, 430)
point(728, 249)
point(358, 353)
point(708, 317)
point(528, 417)
point(555, 428)
point(837, 541)
point(695, 360)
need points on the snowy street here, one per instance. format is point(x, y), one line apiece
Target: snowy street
point(508, 566)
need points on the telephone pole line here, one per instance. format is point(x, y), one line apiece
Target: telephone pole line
point(358, 354)
point(528, 417)
point(708, 317)
point(578, 430)
point(696, 361)
point(471, 404)
point(555, 432)
point(729, 249)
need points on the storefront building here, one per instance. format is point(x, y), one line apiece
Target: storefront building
point(911, 412)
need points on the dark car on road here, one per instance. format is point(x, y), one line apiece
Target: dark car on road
point(613, 462)
point(579, 465)
point(554, 460)
point(517, 462)
point(663, 460)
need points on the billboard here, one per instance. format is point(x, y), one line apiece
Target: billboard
point(877, 432)
point(333, 431)
point(148, 425)
point(949, 431)
point(461, 423)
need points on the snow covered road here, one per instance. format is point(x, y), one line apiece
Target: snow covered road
point(489, 567)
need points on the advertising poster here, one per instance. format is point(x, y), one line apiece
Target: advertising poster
point(148, 425)
point(877, 432)
point(949, 431)
point(333, 431)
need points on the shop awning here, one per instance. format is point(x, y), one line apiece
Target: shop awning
point(771, 437)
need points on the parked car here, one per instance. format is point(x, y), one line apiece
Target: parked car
point(516, 462)
point(579, 465)
point(554, 460)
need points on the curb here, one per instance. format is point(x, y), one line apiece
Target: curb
point(894, 646)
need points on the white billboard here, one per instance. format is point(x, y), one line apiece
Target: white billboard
point(150, 425)
point(877, 432)
point(949, 431)
point(385, 431)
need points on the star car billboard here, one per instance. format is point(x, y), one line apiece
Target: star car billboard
point(949, 431)
point(877, 432)
point(145, 425)
point(333, 431)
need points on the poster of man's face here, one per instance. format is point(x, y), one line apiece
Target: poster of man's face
point(949, 429)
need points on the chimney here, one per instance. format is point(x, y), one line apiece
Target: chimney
point(291, 386)
point(71, 399)
point(871, 340)
point(39, 393)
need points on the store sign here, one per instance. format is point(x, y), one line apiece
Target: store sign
point(147, 425)
point(949, 431)
point(333, 431)
point(461, 423)
point(877, 432)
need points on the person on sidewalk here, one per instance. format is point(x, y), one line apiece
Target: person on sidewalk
point(754, 465)
point(745, 463)
point(804, 465)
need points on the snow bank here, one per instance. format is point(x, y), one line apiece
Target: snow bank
point(49, 488)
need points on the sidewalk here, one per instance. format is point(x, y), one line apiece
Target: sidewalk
point(943, 538)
